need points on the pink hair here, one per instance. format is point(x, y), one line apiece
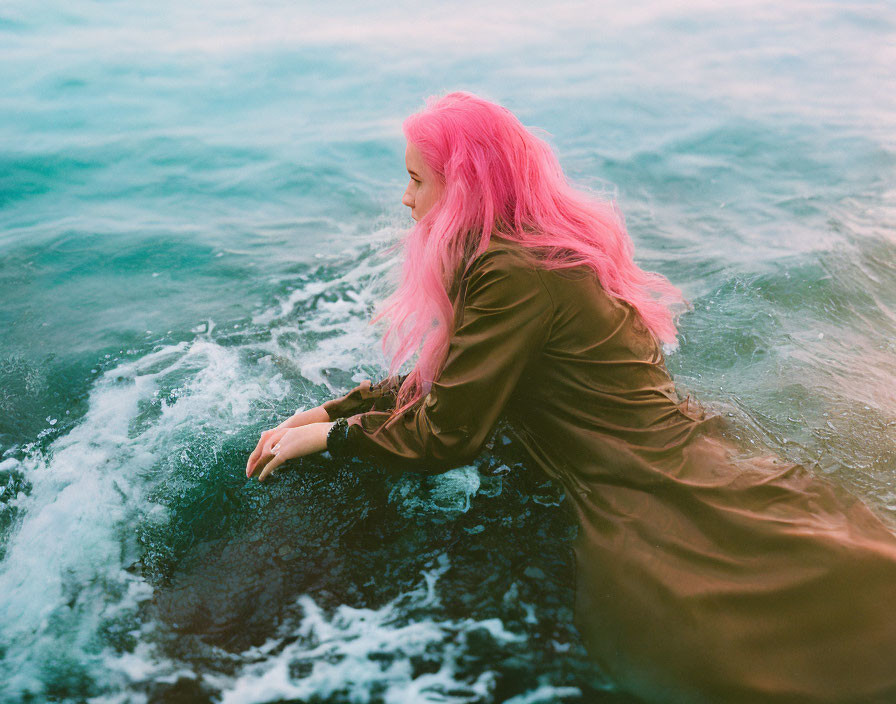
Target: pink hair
point(500, 179)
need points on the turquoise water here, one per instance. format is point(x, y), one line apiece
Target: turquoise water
point(195, 205)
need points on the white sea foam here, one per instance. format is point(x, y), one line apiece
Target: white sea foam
point(353, 652)
point(338, 324)
point(448, 494)
point(64, 571)
point(545, 694)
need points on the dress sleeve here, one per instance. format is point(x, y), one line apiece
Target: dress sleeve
point(502, 325)
point(365, 397)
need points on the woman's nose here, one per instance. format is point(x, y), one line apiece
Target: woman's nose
point(407, 199)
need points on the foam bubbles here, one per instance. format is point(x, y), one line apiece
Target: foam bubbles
point(64, 575)
point(355, 651)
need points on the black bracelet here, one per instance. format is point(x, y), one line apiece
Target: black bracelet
point(337, 438)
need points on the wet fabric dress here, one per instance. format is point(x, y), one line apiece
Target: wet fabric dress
point(701, 576)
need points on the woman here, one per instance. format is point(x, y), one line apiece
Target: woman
point(701, 576)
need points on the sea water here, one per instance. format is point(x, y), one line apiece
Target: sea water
point(197, 202)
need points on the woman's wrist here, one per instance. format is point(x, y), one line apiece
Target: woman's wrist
point(321, 431)
point(306, 417)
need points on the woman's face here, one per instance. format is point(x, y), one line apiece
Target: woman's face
point(425, 187)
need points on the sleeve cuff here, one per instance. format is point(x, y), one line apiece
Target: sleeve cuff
point(337, 439)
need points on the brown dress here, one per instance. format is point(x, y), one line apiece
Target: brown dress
point(701, 576)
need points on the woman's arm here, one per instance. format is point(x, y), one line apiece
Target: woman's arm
point(311, 415)
point(505, 321)
point(363, 397)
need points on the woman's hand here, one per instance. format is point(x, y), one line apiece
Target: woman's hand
point(281, 444)
point(269, 438)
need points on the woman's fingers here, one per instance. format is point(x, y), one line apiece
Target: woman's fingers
point(259, 462)
point(259, 451)
point(262, 453)
point(253, 458)
point(270, 467)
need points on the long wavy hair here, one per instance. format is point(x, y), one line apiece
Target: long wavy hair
point(500, 180)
